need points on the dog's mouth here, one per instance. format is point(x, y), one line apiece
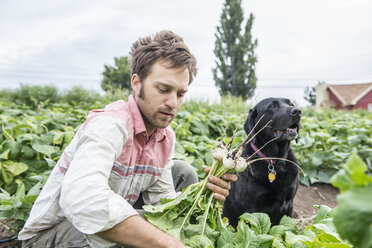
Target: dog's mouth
point(289, 133)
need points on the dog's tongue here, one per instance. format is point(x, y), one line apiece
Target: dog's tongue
point(278, 132)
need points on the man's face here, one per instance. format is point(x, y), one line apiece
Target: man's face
point(159, 96)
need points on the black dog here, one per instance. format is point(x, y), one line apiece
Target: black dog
point(269, 185)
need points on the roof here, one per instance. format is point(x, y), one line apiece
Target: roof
point(350, 94)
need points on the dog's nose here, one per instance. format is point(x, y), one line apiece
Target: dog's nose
point(295, 112)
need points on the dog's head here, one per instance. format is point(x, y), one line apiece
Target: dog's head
point(285, 119)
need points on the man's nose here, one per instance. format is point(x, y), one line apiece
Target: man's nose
point(172, 101)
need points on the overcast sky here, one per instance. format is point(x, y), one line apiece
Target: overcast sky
point(299, 42)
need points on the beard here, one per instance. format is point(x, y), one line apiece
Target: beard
point(152, 116)
point(141, 94)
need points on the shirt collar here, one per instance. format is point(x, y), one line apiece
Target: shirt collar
point(138, 123)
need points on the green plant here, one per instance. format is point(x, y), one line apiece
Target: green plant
point(18, 206)
point(31, 95)
point(79, 95)
point(353, 215)
point(196, 211)
point(327, 139)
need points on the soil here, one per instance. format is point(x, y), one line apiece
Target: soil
point(304, 210)
point(307, 198)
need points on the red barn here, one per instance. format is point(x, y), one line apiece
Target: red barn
point(344, 96)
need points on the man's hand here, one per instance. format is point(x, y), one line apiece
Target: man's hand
point(220, 186)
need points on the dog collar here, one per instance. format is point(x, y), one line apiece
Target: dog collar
point(271, 170)
point(270, 161)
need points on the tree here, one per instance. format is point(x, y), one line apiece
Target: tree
point(117, 76)
point(234, 49)
point(310, 95)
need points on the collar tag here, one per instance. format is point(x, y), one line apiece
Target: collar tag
point(271, 173)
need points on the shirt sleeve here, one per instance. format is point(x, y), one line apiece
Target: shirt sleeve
point(86, 198)
point(163, 187)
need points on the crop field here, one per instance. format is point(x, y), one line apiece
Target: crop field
point(334, 147)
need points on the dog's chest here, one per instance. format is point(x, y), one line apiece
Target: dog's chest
point(284, 173)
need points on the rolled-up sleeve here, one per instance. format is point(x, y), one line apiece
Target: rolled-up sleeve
point(86, 198)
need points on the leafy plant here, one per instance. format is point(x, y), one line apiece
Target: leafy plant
point(327, 139)
point(18, 206)
point(353, 215)
point(196, 211)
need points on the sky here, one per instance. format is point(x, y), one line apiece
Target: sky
point(300, 43)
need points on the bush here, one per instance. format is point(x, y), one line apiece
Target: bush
point(31, 95)
point(79, 95)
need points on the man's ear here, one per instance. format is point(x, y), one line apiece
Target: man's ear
point(135, 83)
point(249, 123)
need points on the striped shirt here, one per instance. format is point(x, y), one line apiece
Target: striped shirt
point(102, 172)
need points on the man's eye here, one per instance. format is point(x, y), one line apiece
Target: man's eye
point(181, 94)
point(163, 90)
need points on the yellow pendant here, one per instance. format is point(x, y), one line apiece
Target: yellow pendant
point(271, 176)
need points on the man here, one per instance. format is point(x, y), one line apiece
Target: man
point(120, 155)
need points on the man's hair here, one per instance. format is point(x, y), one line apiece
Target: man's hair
point(164, 46)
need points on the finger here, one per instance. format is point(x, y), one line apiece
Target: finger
point(230, 177)
point(218, 191)
point(219, 197)
point(207, 169)
point(219, 182)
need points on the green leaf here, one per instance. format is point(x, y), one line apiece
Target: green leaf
point(200, 241)
point(316, 161)
point(15, 168)
point(209, 158)
point(51, 163)
point(293, 240)
point(44, 149)
point(6, 175)
point(58, 138)
point(323, 213)
point(278, 244)
point(35, 190)
point(6, 215)
point(287, 222)
point(4, 154)
point(317, 243)
point(243, 236)
point(323, 177)
point(15, 150)
point(5, 207)
point(352, 174)
point(278, 231)
point(26, 138)
point(353, 216)
point(262, 241)
point(325, 228)
point(28, 152)
point(260, 222)
point(226, 237)
point(68, 136)
point(21, 190)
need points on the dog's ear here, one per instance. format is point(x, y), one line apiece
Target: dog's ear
point(249, 123)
